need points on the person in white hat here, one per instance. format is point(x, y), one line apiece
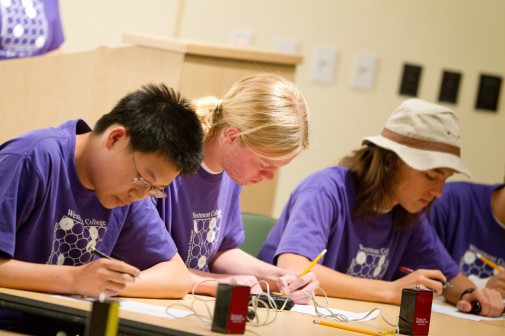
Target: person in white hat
point(370, 213)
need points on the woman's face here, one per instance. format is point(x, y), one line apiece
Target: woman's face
point(414, 189)
point(244, 166)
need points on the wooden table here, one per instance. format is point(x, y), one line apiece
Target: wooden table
point(286, 323)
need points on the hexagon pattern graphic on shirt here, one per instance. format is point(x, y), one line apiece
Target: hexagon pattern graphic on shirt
point(72, 241)
point(24, 25)
point(469, 264)
point(369, 263)
point(203, 240)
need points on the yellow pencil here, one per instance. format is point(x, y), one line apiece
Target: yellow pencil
point(359, 330)
point(489, 262)
point(305, 271)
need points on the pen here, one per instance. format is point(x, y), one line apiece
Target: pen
point(103, 255)
point(359, 330)
point(407, 270)
point(100, 253)
point(488, 262)
point(306, 270)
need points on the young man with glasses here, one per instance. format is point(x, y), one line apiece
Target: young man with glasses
point(68, 190)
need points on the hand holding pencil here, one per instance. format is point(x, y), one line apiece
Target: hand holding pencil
point(300, 288)
point(99, 253)
point(408, 270)
point(102, 275)
point(309, 267)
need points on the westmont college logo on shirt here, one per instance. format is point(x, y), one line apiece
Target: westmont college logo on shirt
point(203, 240)
point(369, 263)
point(72, 238)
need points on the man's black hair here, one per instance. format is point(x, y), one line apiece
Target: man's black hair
point(159, 121)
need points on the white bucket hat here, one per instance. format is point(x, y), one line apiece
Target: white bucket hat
point(424, 135)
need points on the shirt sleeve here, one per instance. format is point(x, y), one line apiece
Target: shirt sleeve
point(308, 220)
point(20, 187)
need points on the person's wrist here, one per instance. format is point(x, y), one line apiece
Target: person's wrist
point(466, 291)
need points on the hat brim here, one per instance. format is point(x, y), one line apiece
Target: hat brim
point(420, 159)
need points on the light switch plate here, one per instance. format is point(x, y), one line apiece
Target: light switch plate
point(365, 67)
point(323, 70)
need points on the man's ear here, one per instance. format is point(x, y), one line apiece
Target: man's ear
point(231, 134)
point(114, 135)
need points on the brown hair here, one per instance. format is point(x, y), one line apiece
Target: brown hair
point(374, 174)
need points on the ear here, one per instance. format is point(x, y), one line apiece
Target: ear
point(114, 135)
point(231, 135)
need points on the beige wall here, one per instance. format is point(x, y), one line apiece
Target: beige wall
point(91, 23)
point(462, 35)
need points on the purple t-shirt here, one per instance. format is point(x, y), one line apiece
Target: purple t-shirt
point(202, 214)
point(29, 28)
point(464, 221)
point(318, 216)
point(48, 217)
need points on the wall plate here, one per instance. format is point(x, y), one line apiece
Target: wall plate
point(323, 70)
point(365, 67)
point(488, 93)
point(449, 87)
point(410, 80)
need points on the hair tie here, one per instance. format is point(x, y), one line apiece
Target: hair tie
point(217, 113)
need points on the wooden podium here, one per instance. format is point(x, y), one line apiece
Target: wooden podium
point(48, 90)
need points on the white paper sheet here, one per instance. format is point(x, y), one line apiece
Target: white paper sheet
point(153, 310)
point(141, 308)
point(311, 310)
point(453, 311)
